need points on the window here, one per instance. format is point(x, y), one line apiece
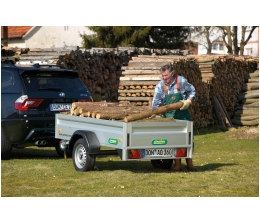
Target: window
point(221, 47)
point(53, 81)
point(6, 79)
point(249, 51)
point(215, 47)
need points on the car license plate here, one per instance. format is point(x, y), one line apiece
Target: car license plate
point(152, 153)
point(60, 106)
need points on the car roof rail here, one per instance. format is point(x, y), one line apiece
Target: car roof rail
point(37, 65)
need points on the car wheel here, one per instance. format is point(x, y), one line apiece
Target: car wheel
point(82, 161)
point(162, 163)
point(6, 148)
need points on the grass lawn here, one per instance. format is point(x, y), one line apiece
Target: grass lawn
point(227, 162)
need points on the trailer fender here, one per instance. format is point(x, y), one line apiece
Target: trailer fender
point(90, 139)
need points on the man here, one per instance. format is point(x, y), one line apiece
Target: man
point(172, 89)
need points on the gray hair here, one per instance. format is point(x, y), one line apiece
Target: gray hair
point(166, 67)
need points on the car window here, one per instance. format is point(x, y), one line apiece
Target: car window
point(53, 81)
point(7, 79)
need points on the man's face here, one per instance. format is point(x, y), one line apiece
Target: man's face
point(167, 77)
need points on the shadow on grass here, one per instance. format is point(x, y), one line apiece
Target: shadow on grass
point(35, 153)
point(208, 130)
point(109, 165)
point(146, 167)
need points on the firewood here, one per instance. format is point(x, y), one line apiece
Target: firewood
point(148, 113)
point(111, 116)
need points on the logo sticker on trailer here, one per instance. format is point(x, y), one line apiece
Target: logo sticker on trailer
point(159, 142)
point(113, 141)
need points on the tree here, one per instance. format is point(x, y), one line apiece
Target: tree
point(168, 37)
point(205, 36)
point(230, 35)
point(244, 41)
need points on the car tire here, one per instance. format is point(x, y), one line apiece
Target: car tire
point(6, 148)
point(82, 161)
point(162, 163)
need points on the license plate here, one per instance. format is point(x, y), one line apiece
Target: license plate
point(152, 153)
point(60, 106)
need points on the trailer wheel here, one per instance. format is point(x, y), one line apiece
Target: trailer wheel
point(82, 161)
point(162, 163)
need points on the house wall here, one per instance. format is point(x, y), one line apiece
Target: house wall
point(16, 43)
point(51, 37)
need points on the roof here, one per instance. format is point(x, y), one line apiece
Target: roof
point(15, 31)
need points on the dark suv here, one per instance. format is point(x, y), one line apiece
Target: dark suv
point(30, 98)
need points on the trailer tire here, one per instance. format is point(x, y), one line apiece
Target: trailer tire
point(82, 161)
point(162, 163)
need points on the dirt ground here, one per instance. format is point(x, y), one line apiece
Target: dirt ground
point(244, 132)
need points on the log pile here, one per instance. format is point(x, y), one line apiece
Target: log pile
point(139, 78)
point(212, 76)
point(99, 72)
point(201, 110)
point(133, 83)
point(247, 106)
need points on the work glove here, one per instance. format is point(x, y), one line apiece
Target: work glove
point(186, 104)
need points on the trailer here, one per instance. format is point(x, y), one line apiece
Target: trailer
point(157, 141)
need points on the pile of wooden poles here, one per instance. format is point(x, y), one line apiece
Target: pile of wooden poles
point(219, 81)
point(247, 106)
point(120, 112)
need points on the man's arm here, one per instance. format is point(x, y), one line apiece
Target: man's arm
point(158, 98)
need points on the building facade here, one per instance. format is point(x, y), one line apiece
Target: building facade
point(45, 36)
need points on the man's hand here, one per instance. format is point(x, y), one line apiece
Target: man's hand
point(186, 104)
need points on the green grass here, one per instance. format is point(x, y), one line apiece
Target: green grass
point(227, 167)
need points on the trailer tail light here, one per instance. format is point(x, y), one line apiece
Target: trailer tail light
point(24, 103)
point(135, 154)
point(181, 152)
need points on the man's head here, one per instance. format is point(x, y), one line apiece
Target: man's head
point(167, 73)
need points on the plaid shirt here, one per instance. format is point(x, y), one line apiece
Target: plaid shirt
point(187, 91)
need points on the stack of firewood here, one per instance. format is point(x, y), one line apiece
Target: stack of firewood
point(100, 73)
point(201, 110)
